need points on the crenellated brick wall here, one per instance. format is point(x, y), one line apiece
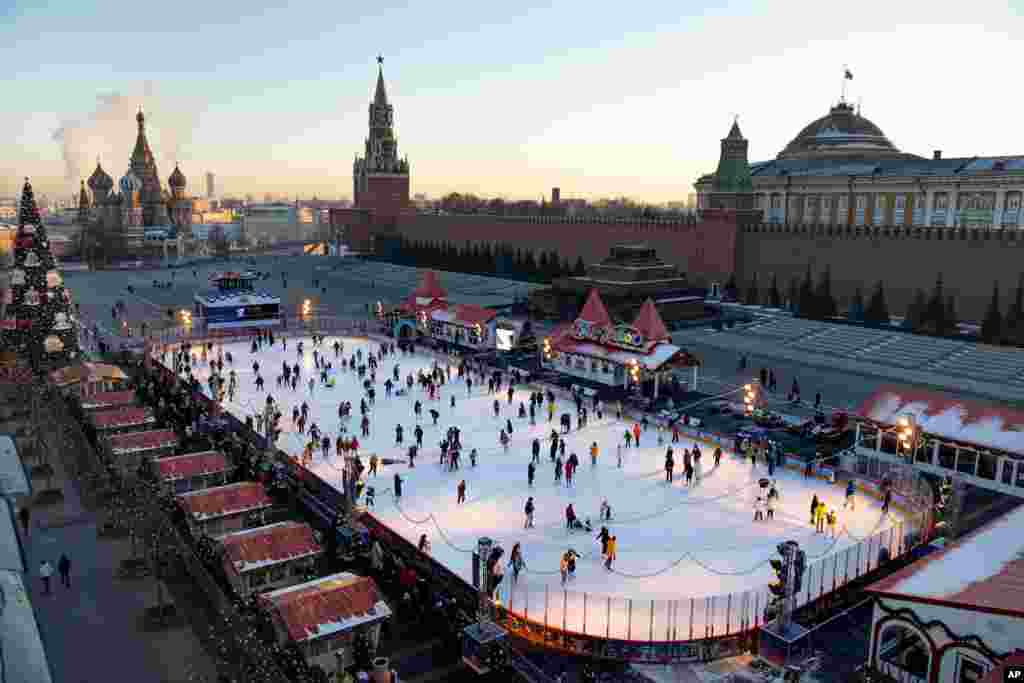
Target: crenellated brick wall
point(704, 250)
point(905, 258)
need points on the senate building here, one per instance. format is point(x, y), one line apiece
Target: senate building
point(841, 169)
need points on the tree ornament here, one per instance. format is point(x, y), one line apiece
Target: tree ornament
point(39, 322)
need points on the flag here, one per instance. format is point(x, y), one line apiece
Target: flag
point(847, 74)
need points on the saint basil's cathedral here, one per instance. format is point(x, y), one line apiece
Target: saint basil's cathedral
point(138, 203)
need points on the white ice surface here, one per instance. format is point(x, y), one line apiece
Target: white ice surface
point(674, 543)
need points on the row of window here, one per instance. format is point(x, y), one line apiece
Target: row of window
point(979, 200)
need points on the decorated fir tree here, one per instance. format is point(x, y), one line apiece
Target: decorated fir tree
point(38, 323)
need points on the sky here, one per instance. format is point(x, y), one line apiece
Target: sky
point(498, 99)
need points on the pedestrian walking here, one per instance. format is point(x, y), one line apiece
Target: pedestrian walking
point(461, 497)
point(609, 557)
point(398, 487)
point(64, 567)
point(814, 507)
point(528, 509)
point(45, 573)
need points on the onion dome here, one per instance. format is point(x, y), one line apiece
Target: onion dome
point(130, 183)
point(99, 181)
point(843, 133)
point(177, 179)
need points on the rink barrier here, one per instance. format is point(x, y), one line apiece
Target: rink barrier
point(622, 629)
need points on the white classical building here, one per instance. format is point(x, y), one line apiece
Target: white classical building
point(841, 169)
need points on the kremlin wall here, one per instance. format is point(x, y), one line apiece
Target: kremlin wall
point(730, 236)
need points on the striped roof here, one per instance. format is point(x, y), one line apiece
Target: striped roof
point(192, 465)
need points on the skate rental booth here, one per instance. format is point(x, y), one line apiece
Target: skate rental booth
point(635, 358)
point(235, 303)
point(427, 313)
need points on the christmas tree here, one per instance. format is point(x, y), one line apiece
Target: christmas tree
point(37, 323)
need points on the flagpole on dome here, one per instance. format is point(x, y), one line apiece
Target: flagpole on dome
point(847, 76)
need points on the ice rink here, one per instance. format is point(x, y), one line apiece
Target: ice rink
point(674, 542)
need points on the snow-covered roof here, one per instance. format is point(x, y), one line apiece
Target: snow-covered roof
point(12, 558)
point(13, 479)
point(325, 606)
point(221, 501)
point(122, 417)
point(983, 569)
point(465, 315)
point(24, 656)
point(192, 465)
point(133, 442)
point(652, 360)
point(950, 417)
point(256, 548)
point(108, 399)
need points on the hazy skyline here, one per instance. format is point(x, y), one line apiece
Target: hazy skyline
point(629, 99)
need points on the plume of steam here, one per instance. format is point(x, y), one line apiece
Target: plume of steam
point(109, 131)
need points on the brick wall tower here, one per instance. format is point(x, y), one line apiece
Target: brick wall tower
point(732, 187)
point(380, 178)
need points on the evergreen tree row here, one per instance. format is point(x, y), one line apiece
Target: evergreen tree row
point(1008, 328)
point(484, 258)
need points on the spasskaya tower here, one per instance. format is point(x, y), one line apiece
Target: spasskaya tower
point(380, 179)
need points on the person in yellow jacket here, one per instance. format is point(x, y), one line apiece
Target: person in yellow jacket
point(609, 556)
point(819, 518)
point(593, 453)
point(832, 518)
point(551, 411)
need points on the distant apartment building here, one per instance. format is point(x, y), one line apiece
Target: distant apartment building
point(210, 186)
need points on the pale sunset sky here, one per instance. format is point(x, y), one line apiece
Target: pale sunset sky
point(500, 99)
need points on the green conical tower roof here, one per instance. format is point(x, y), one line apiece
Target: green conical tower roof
point(733, 173)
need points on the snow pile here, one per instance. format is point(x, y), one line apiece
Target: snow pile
point(951, 418)
point(978, 557)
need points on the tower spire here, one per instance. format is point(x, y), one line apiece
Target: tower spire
point(380, 97)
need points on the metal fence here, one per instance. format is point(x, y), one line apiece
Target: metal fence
point(551, 613)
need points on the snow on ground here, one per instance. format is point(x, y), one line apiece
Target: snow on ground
point(674, 542)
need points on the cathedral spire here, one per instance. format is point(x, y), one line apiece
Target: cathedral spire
point(380, 97)
point(141, 153)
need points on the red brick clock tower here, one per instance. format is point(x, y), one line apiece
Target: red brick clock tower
point(380, 178)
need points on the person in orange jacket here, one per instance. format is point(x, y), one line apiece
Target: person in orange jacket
point(609, 556)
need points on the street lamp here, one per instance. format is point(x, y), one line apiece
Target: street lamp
point(906, 433)
point(547, 348)
point(749, 397)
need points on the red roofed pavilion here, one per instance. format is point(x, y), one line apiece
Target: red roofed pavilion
point(323, 615)
point(269, 557)
point(635, 358)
